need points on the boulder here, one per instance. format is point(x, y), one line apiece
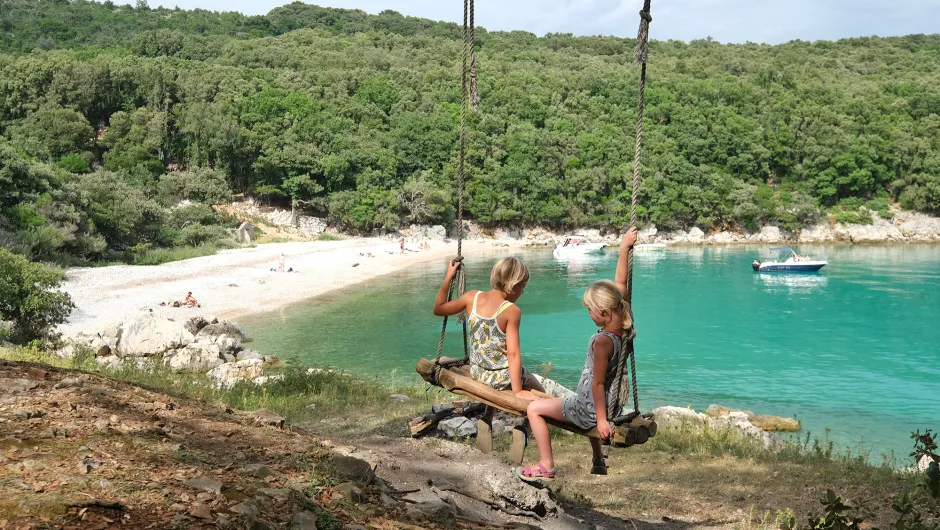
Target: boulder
point(194, 357)
point(149, 335)
point(763, 422)
point(195, 324)
point(458, 427)
point(769, 234)
point(359, 471)
point(303, 521)
point(437, 233)
point(247, 355)
point(222, 327)
point(436, 511)
point(228, 344)
point(678, 416)
point(230, 373)
point(506, 486)
point(245, 233)
point(696, 234)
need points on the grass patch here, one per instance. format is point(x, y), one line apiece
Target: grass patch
point(159, 256)
point(329, 237)
point(686, 472)
point(297, 394)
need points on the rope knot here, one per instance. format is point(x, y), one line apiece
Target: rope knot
point(645, 15)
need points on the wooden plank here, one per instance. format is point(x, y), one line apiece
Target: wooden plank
point(456, 382)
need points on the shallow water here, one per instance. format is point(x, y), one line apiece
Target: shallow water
point(854, 348)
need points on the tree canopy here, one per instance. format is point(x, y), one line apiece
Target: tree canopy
point(355, 116)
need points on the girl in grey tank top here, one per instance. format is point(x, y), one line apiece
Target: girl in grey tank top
point(596, 398)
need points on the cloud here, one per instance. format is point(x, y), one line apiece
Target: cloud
point(771, 21)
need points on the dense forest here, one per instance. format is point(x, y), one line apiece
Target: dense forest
point(112, 115)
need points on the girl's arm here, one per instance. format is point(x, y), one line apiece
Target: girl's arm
point(442, 307)
point(514, 353)
point(623, 265)
point(603, 348)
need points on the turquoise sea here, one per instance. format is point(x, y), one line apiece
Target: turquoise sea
point(854, 348)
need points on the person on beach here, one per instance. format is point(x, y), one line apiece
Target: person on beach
point(595, 400)
point(401, 243)
point(190, 301)
point(281, 262)
point(495, 357)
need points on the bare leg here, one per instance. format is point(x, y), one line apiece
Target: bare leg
point(537, 412)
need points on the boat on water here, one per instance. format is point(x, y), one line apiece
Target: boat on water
point(577, 245)
point(650, 246)
point(789, 261)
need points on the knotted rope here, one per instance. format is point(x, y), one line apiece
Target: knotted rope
point(641, 54)
point(459, 282)
point(474, 95)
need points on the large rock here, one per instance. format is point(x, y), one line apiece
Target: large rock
point(195, 324)
point(149, 335)
point(194, 357)
point(763, 422)
point(359, 471)
point(678, 416)
point(880, 231)
point(459, 427)
point(245, 233)
point(222, 327)
point(770, 234)
point(507, 486)
point(230, 373)
point(696, 234)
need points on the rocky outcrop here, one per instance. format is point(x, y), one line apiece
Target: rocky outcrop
point(196, 345)
point(719, 417)
point(230, 373)
point(148, 335)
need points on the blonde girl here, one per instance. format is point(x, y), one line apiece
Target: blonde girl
point(595, 399)
point(494, 319)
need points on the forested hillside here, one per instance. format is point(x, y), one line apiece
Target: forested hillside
point(112, 114)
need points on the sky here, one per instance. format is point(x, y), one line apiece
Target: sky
point(766, 21)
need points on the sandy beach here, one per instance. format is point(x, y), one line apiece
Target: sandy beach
point(237, 282)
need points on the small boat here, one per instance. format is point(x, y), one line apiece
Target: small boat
point(789, 261)
point(575, 245)
point(650, 246)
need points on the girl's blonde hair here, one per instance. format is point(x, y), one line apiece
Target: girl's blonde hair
point(604, 295)
point(507, 274)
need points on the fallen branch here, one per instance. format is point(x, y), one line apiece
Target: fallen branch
point(493, 504)
point(109, 505)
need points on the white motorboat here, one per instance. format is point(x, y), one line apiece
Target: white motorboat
point(576, 245)
point(650, 246)
point(789, 262)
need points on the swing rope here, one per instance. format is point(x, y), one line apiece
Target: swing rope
point(459, 282)
point(627, 353)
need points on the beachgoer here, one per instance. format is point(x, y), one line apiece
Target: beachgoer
point(283, 260)
point(495, 357)
point(595, 400)
point(401, 243)
point(190, 301)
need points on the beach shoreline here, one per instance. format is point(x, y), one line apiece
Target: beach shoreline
point(238, 282)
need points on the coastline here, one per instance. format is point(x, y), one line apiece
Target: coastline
point(237, 282)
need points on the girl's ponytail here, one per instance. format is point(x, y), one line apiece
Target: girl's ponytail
point(627, 313)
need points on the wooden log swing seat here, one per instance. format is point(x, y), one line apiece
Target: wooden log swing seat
point(629, 428)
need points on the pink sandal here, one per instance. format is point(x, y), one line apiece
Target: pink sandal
point(536, 473)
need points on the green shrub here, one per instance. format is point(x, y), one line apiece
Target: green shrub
point(76, 163)
point(201, 184)
point(881, 205)
point(30, 298)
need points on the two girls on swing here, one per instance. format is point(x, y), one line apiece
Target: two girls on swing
point(495, 357)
